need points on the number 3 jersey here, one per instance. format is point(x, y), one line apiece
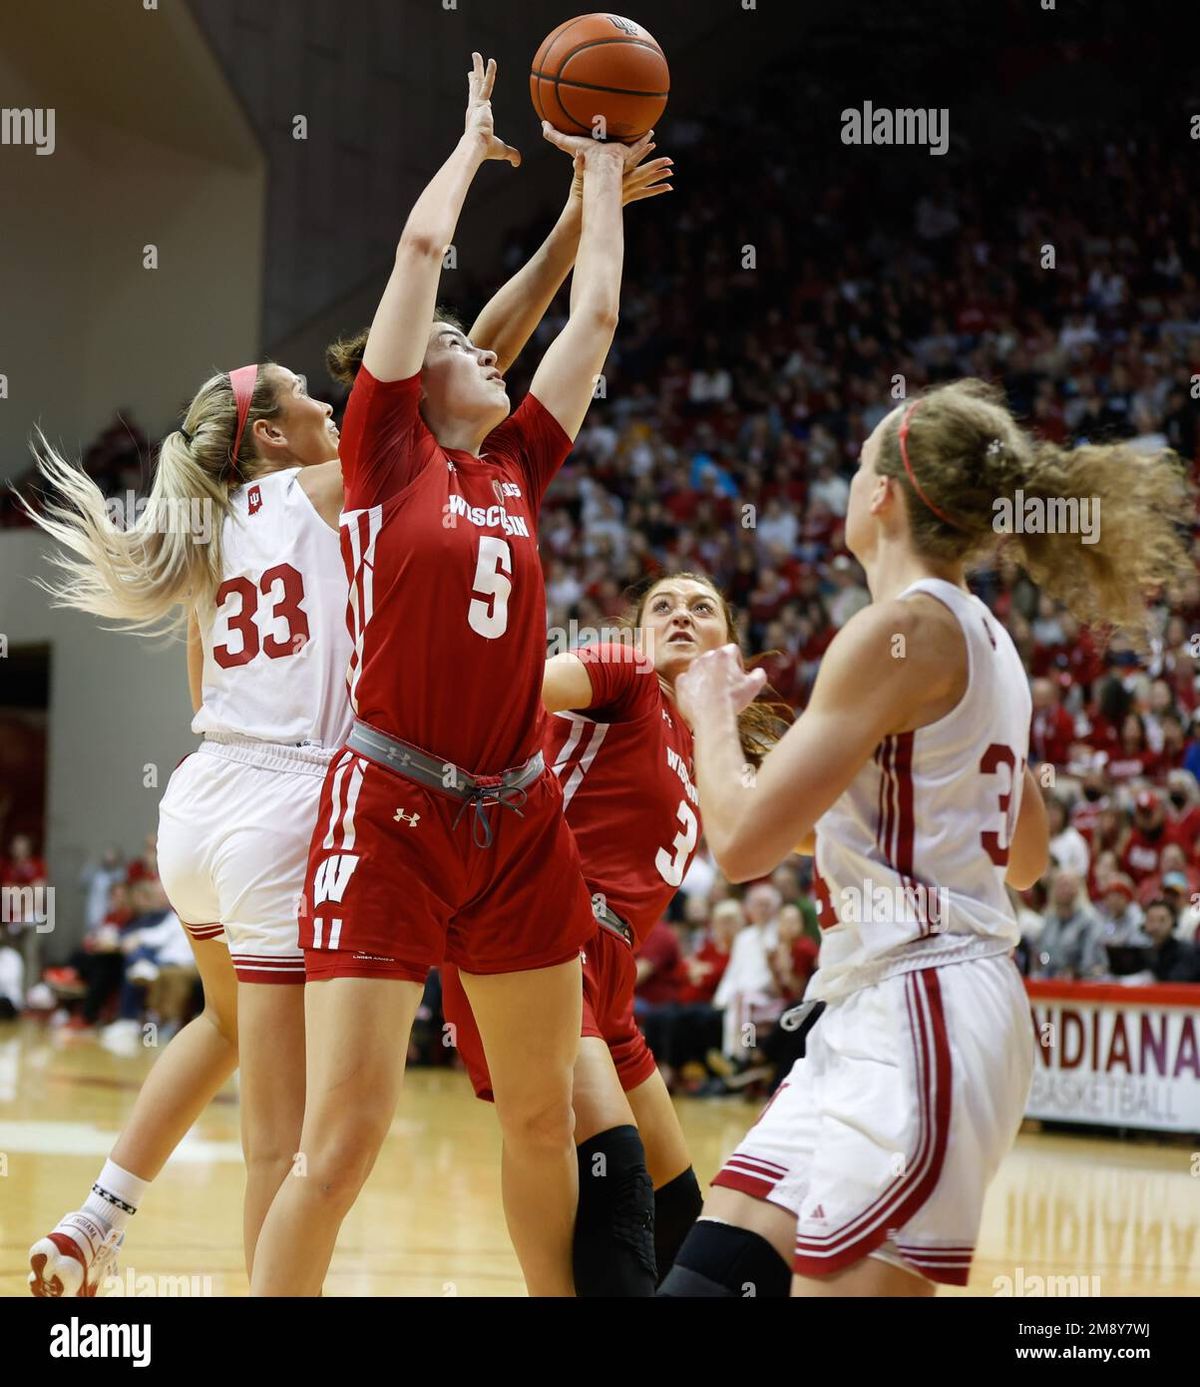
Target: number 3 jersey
point(276, 647)
point(911, 857)
point(447, 601)
point(625, 766)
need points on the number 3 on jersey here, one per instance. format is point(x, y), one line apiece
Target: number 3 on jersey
point(1001, 760)
point(671, 868)
point(285, 585)
point(489, 618)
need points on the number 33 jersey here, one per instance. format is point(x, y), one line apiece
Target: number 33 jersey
point(276, 647)
point(625, 766)
point(447, 601)
point(911, 857)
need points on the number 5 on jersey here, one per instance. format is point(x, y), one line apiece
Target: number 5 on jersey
point(487, 615)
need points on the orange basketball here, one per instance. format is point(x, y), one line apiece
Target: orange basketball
point(600, 66)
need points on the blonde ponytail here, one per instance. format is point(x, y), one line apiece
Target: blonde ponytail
point(147, 572)
point(1098, 527)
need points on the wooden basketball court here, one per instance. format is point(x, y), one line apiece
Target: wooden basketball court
point(429, 1222)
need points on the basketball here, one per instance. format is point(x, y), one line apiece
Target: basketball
point(600, 68)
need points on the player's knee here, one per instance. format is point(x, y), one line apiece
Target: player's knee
point(677, 1206)
point(614, 1225)
point(223, 1023)
point(537, 1122)
point(336, 1163)
point(721, 1260)
point(271, 1147)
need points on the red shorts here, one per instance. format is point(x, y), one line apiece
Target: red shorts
point(609, 973)
point(394, 888)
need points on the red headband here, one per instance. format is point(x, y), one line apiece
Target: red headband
point(916, 486)
point(242, 383)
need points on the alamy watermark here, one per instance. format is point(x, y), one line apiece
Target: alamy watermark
point(28, 905)
point(1022, 1285)
point(28, 126)
point(1047, 515)
point(906, 125)
point(183, 515)
point(911, 903)
point(569, 639)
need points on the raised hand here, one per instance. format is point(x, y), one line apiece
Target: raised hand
point(479, 121)
point(585, 146)
point(717, 681)
point(640, 181)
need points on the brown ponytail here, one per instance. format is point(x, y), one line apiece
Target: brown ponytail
point(345, 356)
point(1116, 513)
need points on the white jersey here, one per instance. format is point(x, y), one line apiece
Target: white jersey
point(277, 648)
point(911, 858)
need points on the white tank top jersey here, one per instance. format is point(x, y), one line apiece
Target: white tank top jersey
point(277, 648)
point(911, 858)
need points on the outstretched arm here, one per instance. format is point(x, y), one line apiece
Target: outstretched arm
point(754, 819)
point(565, 379)
point(511, 316)
point(399, 333)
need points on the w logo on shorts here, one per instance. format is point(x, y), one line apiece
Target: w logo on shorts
point(332, 877)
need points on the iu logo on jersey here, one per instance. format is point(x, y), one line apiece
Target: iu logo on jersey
point(333, 876)
point(254, 499)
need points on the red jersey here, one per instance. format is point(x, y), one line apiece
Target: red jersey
point(1051, 732)
point(625, 765)
point(25, 873)
point(447, 606)
point(1142, 854)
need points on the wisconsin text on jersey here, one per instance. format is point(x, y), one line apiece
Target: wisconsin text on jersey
point(675, 761)
point(487, 517)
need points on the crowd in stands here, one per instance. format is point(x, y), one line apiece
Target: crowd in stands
point(762, 336)
point(132, 968)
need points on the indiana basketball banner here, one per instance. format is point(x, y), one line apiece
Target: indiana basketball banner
point(1117, 1056)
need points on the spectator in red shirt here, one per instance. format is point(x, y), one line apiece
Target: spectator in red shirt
point(794, 959)
point(1183, 815)
point(1132, 759)
point(704, 969)
point(1086, 811)
point(1149, 835)
point(145, 868)
point(659, 968)
point(1173, 866)
point(1052, 729)
point(22, 867)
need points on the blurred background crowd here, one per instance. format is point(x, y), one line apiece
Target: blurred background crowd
point(763, 336)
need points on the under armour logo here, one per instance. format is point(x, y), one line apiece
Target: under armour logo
point(412, 820)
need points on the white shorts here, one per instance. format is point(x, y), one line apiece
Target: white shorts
point(883, 1138)
point(233, 833)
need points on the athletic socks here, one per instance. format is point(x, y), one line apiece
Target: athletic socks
point(115, 1196)
point(719, 1260)
point(677, 1206)
point(614, 1226)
